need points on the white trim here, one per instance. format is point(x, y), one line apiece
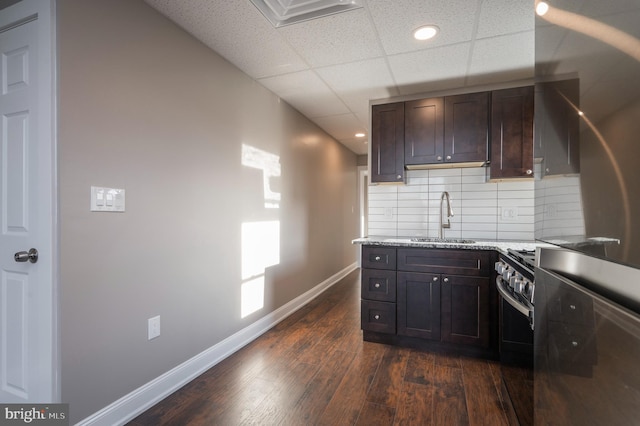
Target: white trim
point(363, 214)
point(136, 402)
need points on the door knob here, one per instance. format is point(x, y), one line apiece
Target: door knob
point(23, 256)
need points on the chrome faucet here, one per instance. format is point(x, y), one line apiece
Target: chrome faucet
point(443, 225)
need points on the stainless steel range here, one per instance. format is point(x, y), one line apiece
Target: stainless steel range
point(515, 281)
point(515, 284)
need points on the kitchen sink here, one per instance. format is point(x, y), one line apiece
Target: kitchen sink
point(441, 240)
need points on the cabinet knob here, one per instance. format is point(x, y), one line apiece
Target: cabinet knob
point(572, 307)
point(377, 257)
point(446, 280)
point(377, 285)
point(439, 158)
point(448, 157)
point(399, 177)
point(574, 344)
point(376, 317)
point(435, 278)
point(529, 171)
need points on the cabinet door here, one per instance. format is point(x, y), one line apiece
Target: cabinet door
point(387, 143)
point(559, 124)
point(466, 310)
point(466, 127)
point(418, 305)
point(424, 131)
point(512, 133)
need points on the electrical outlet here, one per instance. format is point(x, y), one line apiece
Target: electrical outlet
point(154, 327)
point(509, 213)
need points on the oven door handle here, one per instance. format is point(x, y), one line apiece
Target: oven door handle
point(524, 310)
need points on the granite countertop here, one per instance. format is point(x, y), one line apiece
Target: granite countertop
point(499, 245)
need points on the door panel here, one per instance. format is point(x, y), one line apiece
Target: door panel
point(418, 305)
point(26, 204)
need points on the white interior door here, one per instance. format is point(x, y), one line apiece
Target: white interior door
point(27, 314)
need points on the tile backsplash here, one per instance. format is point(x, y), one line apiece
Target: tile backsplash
point(482, 210)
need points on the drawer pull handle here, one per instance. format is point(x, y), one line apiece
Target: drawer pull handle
point(377, 285)
point(376, 317)
point(377, 257)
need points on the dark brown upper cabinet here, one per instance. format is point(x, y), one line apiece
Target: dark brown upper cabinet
point(512, 133)
point(424, 131)
point(387, 143)
point(453, 129)
point(558, 125)
point(466, 128)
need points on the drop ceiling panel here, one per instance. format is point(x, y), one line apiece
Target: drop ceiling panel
point(395, 22)
point(499, 17)
point(306, 92)
point(429, 70)
point(340, 126)
point(505, 58)
point(335, 39)
point(237, 31)
point(358, 82)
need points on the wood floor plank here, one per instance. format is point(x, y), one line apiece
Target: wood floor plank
point(449, 403)
point(420, 368)
point(282, 396)
point(319, 391)
point(376, 415)
point(347, 401)
point(386, 386)
point(484, 405)
point(415, 407)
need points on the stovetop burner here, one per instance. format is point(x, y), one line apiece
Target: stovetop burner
point(526, 257)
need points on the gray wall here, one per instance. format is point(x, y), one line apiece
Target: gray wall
point(145, 107)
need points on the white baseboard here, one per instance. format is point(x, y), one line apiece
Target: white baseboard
point(146, 396)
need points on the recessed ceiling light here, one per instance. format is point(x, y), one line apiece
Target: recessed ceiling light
point(360, 135)
point(426, 32)
point(542, 8)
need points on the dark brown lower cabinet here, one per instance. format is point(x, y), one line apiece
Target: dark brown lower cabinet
point(418, 301)
point(438, 299)
point(466, 310)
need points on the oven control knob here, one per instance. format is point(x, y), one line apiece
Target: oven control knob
point(500, 267)
point(507, 274)
point(515, 282)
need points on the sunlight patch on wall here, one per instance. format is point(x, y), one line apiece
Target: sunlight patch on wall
point(260, 250)
point(260, 238)
point(270, 166)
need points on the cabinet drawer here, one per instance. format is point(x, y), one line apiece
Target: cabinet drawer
point(378, 284)
point(445, 261)
point(375, 257)
point(570, 307)
point(378, 316)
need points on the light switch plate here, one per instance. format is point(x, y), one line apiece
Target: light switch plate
point(107, 199)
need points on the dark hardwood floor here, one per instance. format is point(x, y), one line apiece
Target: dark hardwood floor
point(314, 369)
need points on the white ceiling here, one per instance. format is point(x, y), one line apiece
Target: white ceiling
point(330, 68)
